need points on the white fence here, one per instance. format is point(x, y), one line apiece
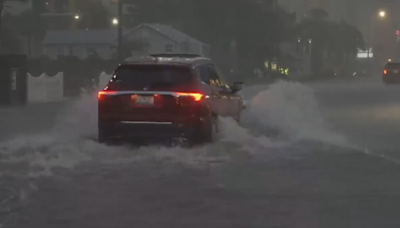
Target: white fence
point(45, 89)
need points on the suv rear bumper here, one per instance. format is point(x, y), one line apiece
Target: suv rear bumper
point(391, 78)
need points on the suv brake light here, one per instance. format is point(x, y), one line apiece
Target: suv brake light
point(103, 93)
point(194, 96)
point(384, 71)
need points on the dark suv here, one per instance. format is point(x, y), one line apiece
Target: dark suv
point(166, 97)
point(391, 73)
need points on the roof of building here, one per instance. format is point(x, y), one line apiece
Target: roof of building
point(155, 59)
point(80, 36)
point(108, 36)
point(171, 33)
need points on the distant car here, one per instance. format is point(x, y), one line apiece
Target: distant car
point(391, 73)
point(166, 97)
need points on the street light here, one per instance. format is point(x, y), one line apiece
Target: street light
point(382, 13)
point(115, 21)
point(77, 17)
point(298, 46)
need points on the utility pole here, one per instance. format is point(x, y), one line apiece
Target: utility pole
point(371, 26)
point(369, 39)
point(120, 3)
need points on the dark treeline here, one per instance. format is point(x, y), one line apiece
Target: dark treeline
point(243, 34)
point(246, 33)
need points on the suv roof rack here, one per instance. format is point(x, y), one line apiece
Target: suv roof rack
point(183, 58)
point(140, 58)
point(176, 55)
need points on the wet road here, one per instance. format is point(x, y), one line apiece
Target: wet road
point(366, 111)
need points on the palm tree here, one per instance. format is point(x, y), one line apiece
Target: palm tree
point(345, 40)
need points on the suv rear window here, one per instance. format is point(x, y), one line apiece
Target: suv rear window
point(392, 66)
point(140, 76)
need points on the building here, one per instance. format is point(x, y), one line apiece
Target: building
point(84, 43)
point(81, 43)
point(165, 38)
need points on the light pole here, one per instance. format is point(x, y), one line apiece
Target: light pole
point(381, 14)
point(120, 3)
point(298, 46)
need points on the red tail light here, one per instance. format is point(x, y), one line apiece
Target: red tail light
point(385, 71)
point(189, 97)
point(193, 96)
point(102, 94)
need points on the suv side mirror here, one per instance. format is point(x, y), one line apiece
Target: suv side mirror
point(236, 86)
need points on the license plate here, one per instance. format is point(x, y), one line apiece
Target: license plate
point(395, 71)
point(143, 100)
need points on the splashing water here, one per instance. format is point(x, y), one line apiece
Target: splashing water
point(289, 107)
point(78, 119)
point(292, 109)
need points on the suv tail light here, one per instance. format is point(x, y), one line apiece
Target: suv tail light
point(191, 96)
point(103, 94)
point(385, 71)
point(183, 98)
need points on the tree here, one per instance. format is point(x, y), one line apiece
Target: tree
point(93, 14)
point(39, 6)
point(241, 32)
point(336, 40)
point(318, 14)
point(3, 6)
point(10, 41)
point(345, 41)
point(31, 26)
